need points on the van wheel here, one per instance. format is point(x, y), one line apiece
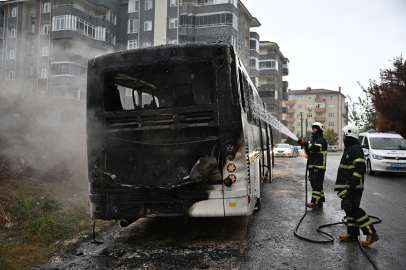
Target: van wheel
point(369, 170)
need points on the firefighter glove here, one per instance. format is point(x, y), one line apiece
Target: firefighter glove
point(353, 186)
point(301, 142)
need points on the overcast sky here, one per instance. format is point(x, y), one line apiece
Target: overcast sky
point(333, 43)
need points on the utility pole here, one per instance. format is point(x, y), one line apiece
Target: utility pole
point(301, 124)
point(306, 127)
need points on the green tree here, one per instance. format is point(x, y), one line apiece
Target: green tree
point(362, 113)
point(331, 136)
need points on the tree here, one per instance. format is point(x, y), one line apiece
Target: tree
point(362, 113)
point(389, 97)
point(331, 136)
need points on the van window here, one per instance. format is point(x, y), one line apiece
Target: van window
point(388, 143)
point(360, 139)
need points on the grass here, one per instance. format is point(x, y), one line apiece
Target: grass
point(43, 180)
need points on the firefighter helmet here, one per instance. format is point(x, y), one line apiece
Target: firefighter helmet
point(351, 130)
point(319, 125)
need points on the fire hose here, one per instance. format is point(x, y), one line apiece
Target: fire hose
point(331, 239)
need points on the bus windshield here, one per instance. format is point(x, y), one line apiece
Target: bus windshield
point(388, 143)
point(155, 86)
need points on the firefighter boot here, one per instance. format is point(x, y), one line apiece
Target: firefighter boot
point(315, 206)
point(348, 237)
point(372, 238)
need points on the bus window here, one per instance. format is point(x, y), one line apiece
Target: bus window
point(155, 87)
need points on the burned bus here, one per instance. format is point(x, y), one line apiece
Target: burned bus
point(174, 131)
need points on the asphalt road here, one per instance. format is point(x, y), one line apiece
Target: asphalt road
point(271, 244)
point(264, 240)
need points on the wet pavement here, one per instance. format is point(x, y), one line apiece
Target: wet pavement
point(271, 243)
point(263, 241)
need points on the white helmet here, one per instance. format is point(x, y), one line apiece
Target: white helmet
point(318, 124)
point(351, 130)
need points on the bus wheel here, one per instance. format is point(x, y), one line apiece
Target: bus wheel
point(369, 170)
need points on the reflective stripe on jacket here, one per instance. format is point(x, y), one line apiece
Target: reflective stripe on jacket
point(316, 151)
point(351, 170)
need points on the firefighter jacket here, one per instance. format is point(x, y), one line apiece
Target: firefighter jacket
point(316, 151)
point(352, 167)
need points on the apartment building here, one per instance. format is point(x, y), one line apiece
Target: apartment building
point(268, 66)
point(46, 43)
point(316, 105)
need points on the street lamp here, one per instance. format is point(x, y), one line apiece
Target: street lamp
point(301, 124)
point(2, 49)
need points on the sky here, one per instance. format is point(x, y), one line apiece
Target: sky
point(332, 44)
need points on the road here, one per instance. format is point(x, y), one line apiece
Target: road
point(271, 243)
point(264, 240)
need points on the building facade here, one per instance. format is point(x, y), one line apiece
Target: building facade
point(46, 44)
point(316, 105)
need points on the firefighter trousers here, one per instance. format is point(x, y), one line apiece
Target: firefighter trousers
point(357, 218)
point(317, 186)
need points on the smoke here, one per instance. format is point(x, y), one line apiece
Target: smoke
point(44, 137)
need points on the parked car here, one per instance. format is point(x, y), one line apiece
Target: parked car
point(285, 150)
point(383, 151)
point(301, 151)
point(332, 148)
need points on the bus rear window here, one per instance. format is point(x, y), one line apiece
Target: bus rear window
point(159, 86)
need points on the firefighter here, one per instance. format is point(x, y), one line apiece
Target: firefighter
point(316, 151)
point(350, 185)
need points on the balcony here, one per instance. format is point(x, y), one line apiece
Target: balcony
point(290, 119)
point(320, 119)
point(285, 110)
point(291, 128)
point(291, 110)
point(284, 96)
point(320, 100)
point(320, 110)
point(266, 87)
point(290, 102)
point(285, 72)
point(284, 122)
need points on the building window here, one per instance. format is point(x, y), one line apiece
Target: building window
point(173, 3)
point(331, 124)
point(147, 44)
point(132, 26)
point(309, 97)
point(254, 63)
point(13, 12)
point(172, 41)
point(45, 7)
point(299, 124)
point(268, 64)
point(11, 54)
point(45, 29)
point(300, 106)
point(309, 115)
point(68, 69)
point(12, 33)
point(114, 19)
point(309, 124)
point(132, 44)
point(148, 4)
point(210, 20)
point(309, 107)
point(148, 26)
point(330, 114)
point(44, 50)
point(331, 97)
point(133, 6)
point(290, 107)
point(299, 97)
point(319, 115)
point(320, 105)
point(299, 133)
point(10, 74)
point(113, 39)
point(43, 73)
point(173, 23)
point(31, 68)
point(331, 106)
point(298, 115)
point(291, 97)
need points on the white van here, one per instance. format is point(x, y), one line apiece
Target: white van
point(383, 151)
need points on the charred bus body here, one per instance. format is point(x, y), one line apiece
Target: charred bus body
point(172, 130)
